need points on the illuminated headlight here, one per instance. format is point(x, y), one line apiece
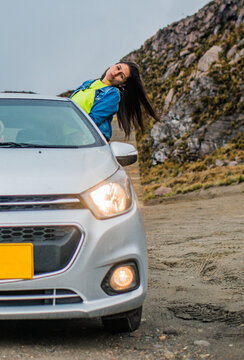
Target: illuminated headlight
point(121, 278)
point(110, 198)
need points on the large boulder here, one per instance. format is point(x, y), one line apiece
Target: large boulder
point(211, 56)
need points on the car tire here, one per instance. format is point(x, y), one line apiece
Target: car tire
point(124, 322)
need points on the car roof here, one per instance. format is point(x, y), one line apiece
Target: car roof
point(30, 96)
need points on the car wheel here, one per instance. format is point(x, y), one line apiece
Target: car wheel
point(123, 322)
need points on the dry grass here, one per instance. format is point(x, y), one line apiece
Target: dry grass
point(202, 174)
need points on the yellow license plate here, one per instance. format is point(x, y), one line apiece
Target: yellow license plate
point(16, 261)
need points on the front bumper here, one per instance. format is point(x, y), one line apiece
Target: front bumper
point(104, 243)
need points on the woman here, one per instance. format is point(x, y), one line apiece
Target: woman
point(120, 90)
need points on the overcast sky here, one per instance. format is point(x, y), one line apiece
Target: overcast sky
point(50, 46)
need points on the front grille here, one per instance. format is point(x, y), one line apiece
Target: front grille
point(40, 202)
point(34, 233)
point(53, 297)
point(54, 246)
point(23, 198)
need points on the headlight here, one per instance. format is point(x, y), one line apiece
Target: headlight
point(110, 198)
point(121, 278)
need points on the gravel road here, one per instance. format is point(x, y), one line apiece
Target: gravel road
point(194, 307)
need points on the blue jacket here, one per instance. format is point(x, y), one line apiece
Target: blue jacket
point(106, 104)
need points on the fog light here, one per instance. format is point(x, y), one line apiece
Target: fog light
point(122, 278)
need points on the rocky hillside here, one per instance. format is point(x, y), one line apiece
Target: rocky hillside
point(193, 71)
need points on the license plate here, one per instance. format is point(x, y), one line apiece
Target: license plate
point(16, 261)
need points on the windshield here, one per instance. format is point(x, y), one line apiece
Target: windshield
point(48, 123)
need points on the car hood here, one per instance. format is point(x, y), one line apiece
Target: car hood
point(53, 171)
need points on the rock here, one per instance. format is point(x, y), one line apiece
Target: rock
point(192, 38)
point(184, 52)
point(237, 57)
point(155, 45)
point(161, 155)
point(216, 30)
point(201, 343)
point(232, 163)
point(162, 190)
point(219, 163)
point(231, 52)
point(222, 8)
point(170, 70)
point(196, 74)
point(208, 17)
point(225, 35)
point(204, 356)
point(217, 66)
point(163, 337)
point(169, 97)
point(159, 133)
point(240, 19)
point(170, 55)
point(193, 145)
point(206, 83)
point(241, 43)
point(211, 56)
point(181, 74)
point(190, 60)
point(172, 332)
point(168, 355)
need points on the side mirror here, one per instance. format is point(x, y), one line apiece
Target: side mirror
point(126, 154)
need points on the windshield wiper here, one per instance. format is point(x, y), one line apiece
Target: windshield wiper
point(12, 144)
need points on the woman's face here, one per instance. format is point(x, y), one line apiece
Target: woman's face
point(117, 74)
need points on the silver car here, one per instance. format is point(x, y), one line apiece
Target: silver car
point(72, 242)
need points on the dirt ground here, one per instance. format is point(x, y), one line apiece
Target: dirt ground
point(196, 248)
point(195, 304)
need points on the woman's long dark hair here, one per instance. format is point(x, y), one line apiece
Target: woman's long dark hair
point(133, 98)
